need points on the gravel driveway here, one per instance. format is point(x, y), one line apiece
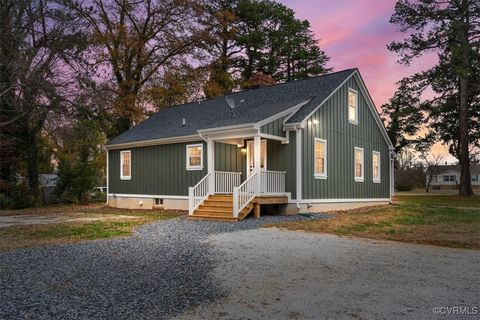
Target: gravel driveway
point(206, 270)
point(163, 269)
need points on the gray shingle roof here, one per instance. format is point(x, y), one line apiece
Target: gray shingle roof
point(251, 106)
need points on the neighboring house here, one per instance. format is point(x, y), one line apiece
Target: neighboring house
point(306, 145)
point(447, 177)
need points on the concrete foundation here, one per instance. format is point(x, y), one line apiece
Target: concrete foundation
point(146, 203)
point(333, 206)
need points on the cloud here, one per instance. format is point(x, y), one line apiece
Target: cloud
point(355, 33)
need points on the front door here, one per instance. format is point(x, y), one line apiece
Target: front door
point(251, 159)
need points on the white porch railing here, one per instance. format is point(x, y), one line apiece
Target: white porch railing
point(226, 181)
point(198, 193)
point(272, 182)
point(243, 194)
point(221, 182)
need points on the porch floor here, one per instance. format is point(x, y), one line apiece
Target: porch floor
point(219, 207)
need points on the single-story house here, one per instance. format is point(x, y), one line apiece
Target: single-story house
point(447, 177)
point(308, 145)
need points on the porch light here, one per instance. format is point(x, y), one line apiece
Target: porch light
point(243, 151)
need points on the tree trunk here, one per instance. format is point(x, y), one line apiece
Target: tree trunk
point(32, 164)
point(464, 156)
point(465, 188)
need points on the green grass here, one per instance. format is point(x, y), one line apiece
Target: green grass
point(112, 225)
point(441, 200)
point(440, 220)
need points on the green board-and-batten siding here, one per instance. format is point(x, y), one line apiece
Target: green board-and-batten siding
point(274, 128)
point(161, 169)
point(281, 157)
point(156, 170)
point(342, 137)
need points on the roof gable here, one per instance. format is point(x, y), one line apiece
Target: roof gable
point(251, 107)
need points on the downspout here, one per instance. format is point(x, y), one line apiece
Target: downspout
point(298, 164)
point(108, 190)
point(392, 174)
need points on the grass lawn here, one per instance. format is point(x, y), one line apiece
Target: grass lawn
point(438, 220)
point(100, 222)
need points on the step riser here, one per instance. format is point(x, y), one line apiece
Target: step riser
point(215, 209)
point(217, 204)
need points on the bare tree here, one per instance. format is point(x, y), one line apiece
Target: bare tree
point(432, 167)
point(39, 46)
point(135, 41)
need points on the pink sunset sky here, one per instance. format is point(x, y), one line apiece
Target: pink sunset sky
point(355, 33)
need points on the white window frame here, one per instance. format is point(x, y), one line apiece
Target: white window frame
point(362, 178)
point(123, 177)
point(378, 179)
point(188, 166)
point(356, 106)
point(324, 174)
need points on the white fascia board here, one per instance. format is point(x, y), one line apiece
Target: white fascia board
point(272, 137)
point(189, 138)
point(325, 100)
point(226, 128)
point(373, 109)
point(247, 132)
point(276, 116)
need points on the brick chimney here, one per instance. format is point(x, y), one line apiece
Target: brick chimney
point(261, 79)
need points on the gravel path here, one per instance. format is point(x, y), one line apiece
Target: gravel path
point(279, 274)
point(164, 269)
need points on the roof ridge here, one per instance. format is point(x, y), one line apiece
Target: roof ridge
point(199, 102)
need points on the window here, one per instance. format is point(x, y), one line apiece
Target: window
point(358, 164)
point(320, 158)
point(376, 166)
point(475, 177)
point(352, 106)
point(158, 201)
point(125, 165)
point(449, 178)
point(194, 157)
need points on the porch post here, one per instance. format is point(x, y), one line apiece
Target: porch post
point(257, 145)
point(211, 165)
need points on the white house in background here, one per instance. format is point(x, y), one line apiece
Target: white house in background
point(448, 177)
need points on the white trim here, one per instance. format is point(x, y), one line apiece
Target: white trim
point(345, 200)
point(250, 145)
point(146, 196)
point(143, 143)
point(187, 157)
point(391, 159)
point(323, 175)
point(362, 177)
point(355, 122)
point(272, 137)
point(227, 128)
point(302, 123)
point(370, 103)
point(379, 179)
point(123, 177)
point(283, 113)
point(373, 109)
point(298, 165)
point(107, 176)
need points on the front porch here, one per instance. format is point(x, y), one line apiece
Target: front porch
point(231, 196)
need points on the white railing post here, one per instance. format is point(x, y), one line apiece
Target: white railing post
point(190, 200)
point(235, 202)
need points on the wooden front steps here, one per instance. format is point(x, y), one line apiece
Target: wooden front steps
point(220, 207)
